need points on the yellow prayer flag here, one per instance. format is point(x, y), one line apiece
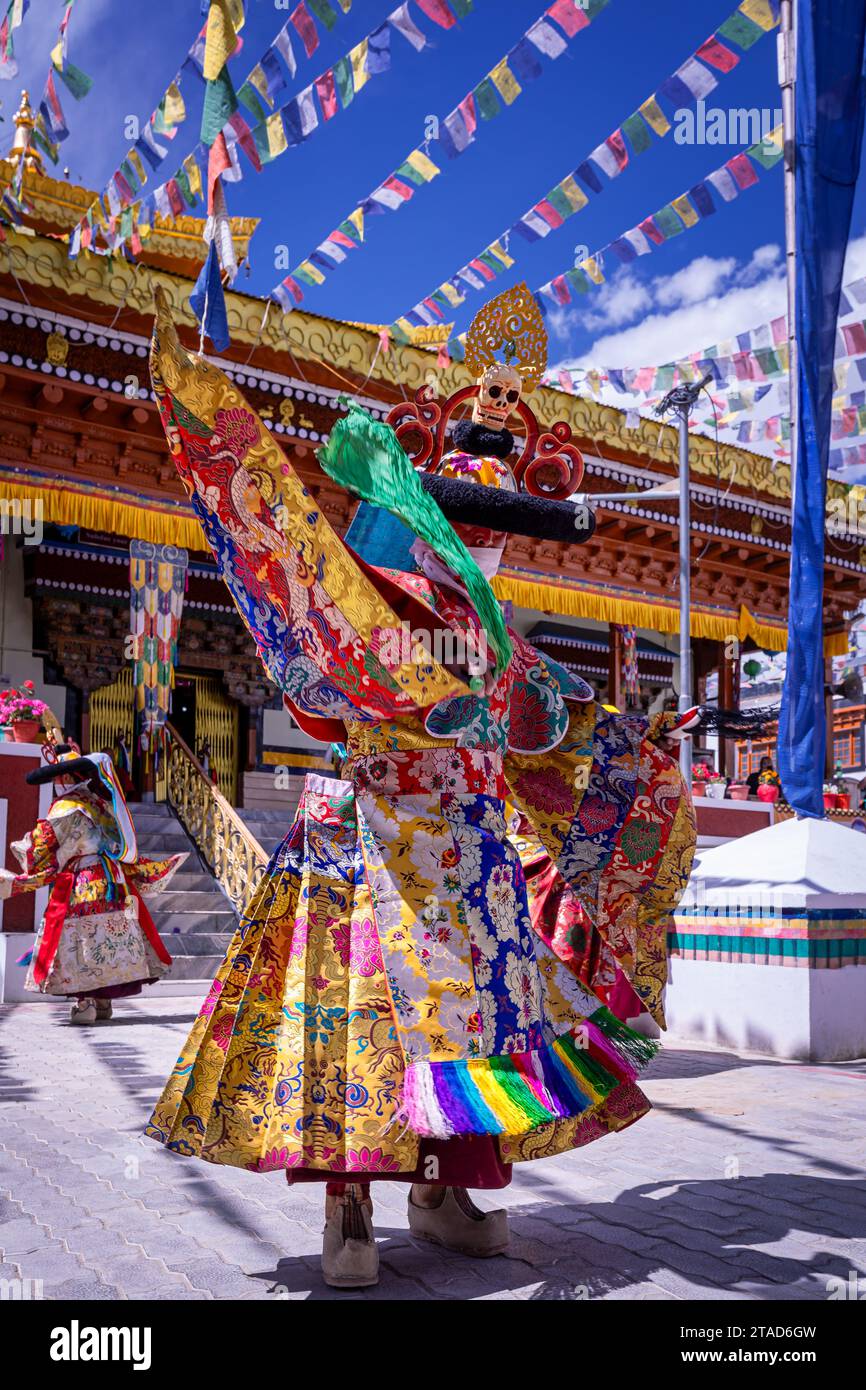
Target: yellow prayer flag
point(174, 110)
point(193, 174)
point(684, 207)
point(135, 160)
point(501, 254)
point(357, 220)
point(313, 271)
point(451, 294)
point(574, 193)
point(276, 133)
point(222, 36)
point(593, 270)
point(56, 56)
point(258, 80)
point(98, 213)
point(406, 327)
point(422, 165)
point(760, 12)
point(358, 59)
point(655, 116)
point(505, 82)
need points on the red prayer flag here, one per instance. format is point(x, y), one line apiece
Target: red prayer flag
point(743, 170)
point(483, 269)
point(467, 111)
point(549, 213)
point(718, 55)
point(855, 338)
point(568, 16)
point(561, 290)
point(303, 22)
point(342, 240)
point(398, 186)
point(175, 198)
point(651, 231)
point(433, 307)
point(245, 140)
point(616, 145)
point(218, 161)
point(780, 330)
point(327, 92)
point(442, 358)
point(439, 11)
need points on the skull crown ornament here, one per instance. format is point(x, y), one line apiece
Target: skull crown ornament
point(510, 325)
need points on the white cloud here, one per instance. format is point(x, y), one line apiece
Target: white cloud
point(695, 282)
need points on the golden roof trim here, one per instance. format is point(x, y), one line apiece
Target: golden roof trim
point(42, 261)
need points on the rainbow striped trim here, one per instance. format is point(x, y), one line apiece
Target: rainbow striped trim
point(518, 1091)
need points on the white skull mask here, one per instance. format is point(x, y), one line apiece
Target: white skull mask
point(499, 391)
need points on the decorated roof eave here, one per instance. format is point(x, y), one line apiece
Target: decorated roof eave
point(59, 204)
point(341, 347)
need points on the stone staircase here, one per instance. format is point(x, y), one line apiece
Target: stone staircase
point(193, 916)
point(269, 827)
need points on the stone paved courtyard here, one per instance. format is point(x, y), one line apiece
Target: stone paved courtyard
point(745, 1183)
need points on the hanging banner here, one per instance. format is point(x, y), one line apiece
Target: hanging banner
point(830, 109)
point(157, 579)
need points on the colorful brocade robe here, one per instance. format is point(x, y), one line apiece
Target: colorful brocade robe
point(96, 931)
point(387, 983)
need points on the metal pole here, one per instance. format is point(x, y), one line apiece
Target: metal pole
point(686, 701)
point(787, 62)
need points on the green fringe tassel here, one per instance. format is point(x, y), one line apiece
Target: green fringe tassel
point(635, 1046)
point(364, 455)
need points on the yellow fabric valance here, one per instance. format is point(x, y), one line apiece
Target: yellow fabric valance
point(64, 505)
point(573, 602)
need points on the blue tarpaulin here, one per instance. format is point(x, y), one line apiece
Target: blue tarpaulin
point(830, 108)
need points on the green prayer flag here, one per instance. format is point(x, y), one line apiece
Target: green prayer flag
point(349, 229)
point(486, 100)
point(461, 8)
point(740, 30)
point(322, 10)
point(592, 7)
point(668, 222)
point(262, 143)
point(182, 180)
point(250, 98)
point(130, 175)
point(410, 174)
point(492, 262)
point(578, 279)
point(126, 224)
point(638, 132)
point(767, 153)
point(558, 200)
point(344, 80)
point(77, 81)
point(220, 102)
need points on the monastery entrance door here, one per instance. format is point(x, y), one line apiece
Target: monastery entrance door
point(207, 720)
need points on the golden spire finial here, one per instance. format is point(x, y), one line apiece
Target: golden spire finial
point(23, 151)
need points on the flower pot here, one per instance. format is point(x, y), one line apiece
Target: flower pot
point(843, 801)
point(830, 801)
point(6, 733)
point(738, 791)
point(716, 790)
point(26, 730)
point(768, 791)
point(699, 788)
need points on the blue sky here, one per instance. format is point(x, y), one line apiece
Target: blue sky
point(722, 276)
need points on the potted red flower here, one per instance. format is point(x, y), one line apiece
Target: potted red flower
point(21, 711)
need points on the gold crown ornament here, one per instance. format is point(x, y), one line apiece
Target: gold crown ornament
point(506, 351)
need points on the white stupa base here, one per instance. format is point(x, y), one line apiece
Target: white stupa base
point(802, 1014)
